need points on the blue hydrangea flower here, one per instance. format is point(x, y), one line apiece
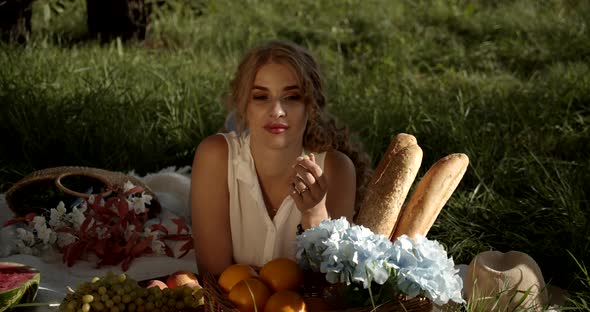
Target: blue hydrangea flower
point(354, 254)
point(423, 268)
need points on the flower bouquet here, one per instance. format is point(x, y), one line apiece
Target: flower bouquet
point(112, 230)
point(363, 269)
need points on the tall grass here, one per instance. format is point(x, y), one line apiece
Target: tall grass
point(506, 82)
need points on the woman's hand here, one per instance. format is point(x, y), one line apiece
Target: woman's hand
point(309, 187)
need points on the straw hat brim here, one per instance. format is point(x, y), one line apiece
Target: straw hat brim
point(113, 181)
point(504, 280)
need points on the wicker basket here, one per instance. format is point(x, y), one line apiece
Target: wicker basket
point(50, 179)
point(216, 299)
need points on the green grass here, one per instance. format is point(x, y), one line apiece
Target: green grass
point(506, 82)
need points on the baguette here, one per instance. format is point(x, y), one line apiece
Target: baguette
point(389, 185)
point(430, 196)
point(399, 142)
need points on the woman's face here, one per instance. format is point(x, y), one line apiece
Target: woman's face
point(276, 113)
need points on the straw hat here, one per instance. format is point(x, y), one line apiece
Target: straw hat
point(20, 197)
point(500, 281)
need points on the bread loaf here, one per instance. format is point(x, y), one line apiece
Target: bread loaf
point(430, 195)
point(399, 142)
point(390, 184)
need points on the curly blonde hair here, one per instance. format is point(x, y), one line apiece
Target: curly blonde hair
point(322, 133)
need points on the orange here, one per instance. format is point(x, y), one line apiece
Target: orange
point(285, 301)
point(282, 274)
point(180, 278)
point(234, 274)
point(249, 295)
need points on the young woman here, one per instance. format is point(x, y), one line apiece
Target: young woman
point(286, 164)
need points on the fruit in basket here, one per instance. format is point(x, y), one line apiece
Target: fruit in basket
point(18, 284)
point(120, 292)
point(285, 301)
point(282, 274)
point(249, 295)
point(234, 274)
point(180, 278)
point(156, 283)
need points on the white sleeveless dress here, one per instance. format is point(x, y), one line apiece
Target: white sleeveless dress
point(256, 238)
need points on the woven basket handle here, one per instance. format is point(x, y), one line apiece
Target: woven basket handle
point(78, 194)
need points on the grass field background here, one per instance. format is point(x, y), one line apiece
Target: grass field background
point(506, 82)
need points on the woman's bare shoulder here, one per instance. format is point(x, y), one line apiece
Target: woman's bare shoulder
point(212, 151)
point(336, 161)
point(213, 145)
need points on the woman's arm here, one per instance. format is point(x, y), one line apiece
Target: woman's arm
point(328, 193)
point(341, 177)
point(210, 206)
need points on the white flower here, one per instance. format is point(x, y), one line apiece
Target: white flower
point(39, 223)
point(77, 217)
point(56, 215)
point(129, 231)
point(158, 247)
point(64, 239)
point(102, 232)
point(127, 186)
point(19, 243)
point(137, 204)
point(44, 234)
point(24, 236)
point(25, 250)
point(91, 198)
point(147, 232)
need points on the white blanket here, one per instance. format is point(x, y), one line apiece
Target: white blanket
point(171, 186)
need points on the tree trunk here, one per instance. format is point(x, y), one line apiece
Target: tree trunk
point(15, 20)
point(109, 19)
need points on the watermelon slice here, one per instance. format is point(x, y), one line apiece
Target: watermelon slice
point(18, 284)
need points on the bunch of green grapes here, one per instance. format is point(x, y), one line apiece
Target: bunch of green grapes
point(117, 293)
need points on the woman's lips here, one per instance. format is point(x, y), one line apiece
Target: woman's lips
point(276, 128)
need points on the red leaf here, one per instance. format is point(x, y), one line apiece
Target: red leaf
point(180, 224)
point(122, 207)
point(183, 254)
point(99, 247)
point(105, 211)
point(118, 249)
point(126, 262)
point(27, 218)
point(159, 227)
point(111, 259)
point(176, 237)
point(30, 216)
point(95, 204)
point(187, 246)
point(138, 224)
point(84, 226)
point(168, 251)
point(139, 248)
point(73, 252)
point(66, 230)
point(14, 221)
point(110, 202)
point(131, 242)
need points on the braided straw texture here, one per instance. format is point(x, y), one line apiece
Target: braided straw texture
point(114, 180)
